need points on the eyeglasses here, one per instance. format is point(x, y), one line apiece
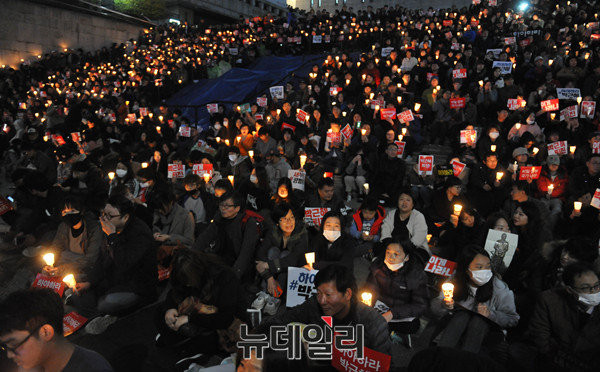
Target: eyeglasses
point(227, 206)
point(109, 216)
point(6, 349)
point(588, 289)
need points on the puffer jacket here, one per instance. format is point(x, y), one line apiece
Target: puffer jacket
point(297, 246)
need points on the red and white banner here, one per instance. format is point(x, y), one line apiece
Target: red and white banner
point(212, 108)
point(313, 216)
point(440, 266)
point(50, 282)
point(529, 173)
point(515, 103)
point(588, 109)
point(202, 169)
point(447, 22)
point(131, 117)
point(301, 116)
point(76, 136)
point(550, 105)
point(557, 148)
point(568, 113)
point(468, 136)
point(596, 199)
point(388, 113)
point(406, 116)
point(347, 132)
point(459, 73)
point(176, 171)
point(457, 103)
point(261, 101)
point(334, 137)
point(457, 167)
point(297, 177)
point(510, 40)
point(72, 322)
point(426, 164)
point(184, 131)
point(288, 126)
point(401, 145)
point(596, 147)
point(143, 111)
point(334, 91)
point(372, 361)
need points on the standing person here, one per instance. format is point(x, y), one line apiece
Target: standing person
point(125, 275)
point(31, 334)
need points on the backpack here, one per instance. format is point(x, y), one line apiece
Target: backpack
point(260, 222)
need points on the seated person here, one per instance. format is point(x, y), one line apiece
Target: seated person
point(192, 201)
point(284, 246)
point(557, 256)
point(406, 222)
point(337, 297)
point(400, 283)
point(31, 334)
point(204, 298)
point(77, 241)
point(125, 275)
point(565, 326)
point(172, 223)
point(366, 226)
point(333, 245)
point(482, 305)
point(233, 235)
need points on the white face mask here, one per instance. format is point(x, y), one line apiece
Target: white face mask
point(331, 235)
point(121, 173)
point(494, 135)
point(394, 267)
point(145, 184)
point(232, 158)
point(253, 178)
point(590, 299)
point(480, 277)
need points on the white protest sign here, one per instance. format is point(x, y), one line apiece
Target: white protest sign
point(386, 51)
point(276, 92)
point(317, 39)
point(297, 176)
point(596, 199)
point(505, 67)
point(314, 215)
point(501, 247)
point(300, 285)
point(568, 93)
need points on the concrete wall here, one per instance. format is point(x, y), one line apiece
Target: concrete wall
point(28, 29)
point(331, 6)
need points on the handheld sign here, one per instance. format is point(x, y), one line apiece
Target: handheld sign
point(276, 91)
point(347, 360)
point(406, 116)
point(557, 148)
point(297, 176)
point(426, 164)
point(388, 113)
point(440, 266)
point(300, 285)
point(505, 67)
point(301, 116)
point(76, 136)
point(588, 109)
point(596, 199)
point(185, 131)
point(568, 113)
point(459, 73)
point(50, 282)
point(457, 167)
point(72, 322)
point(515, 103)
point(313, 216)
point(501, 247)
point(457, 103)
point(202, 169)
point(568, 93)
point(212, 108)
point(176, 171)
point(347, 132)
point(550, 105)
point(401, 145)
point(529, 173)
point(468, 136)
point(334, 137)
point(261, 101)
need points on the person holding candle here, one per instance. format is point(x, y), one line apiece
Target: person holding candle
point(257, 190)
point(443, 203)
point(356, 176)
point(31, 334)
point(486, 191)
point(552, 187)
point(584, 180)
point(482, 307)
point(493, 138)
point(464, 228)
point(287, 194)
point(333, 245)
point(400, 283)
point(239, 166)
point(244, 141)
point(265, 144)
point(277, 167)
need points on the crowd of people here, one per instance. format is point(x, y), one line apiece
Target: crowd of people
point(126, 192)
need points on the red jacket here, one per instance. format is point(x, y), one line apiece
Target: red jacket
point(560, 183)
point(376, 225)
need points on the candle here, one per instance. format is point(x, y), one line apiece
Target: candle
point(399, 99)
point(552, 116)
point(376, 108)
point(363, 132)
point(302, 160)
point(493, 148)
point(550, 189)
point(251, 154)
point(366, 187)
point(535, 150)
point(429, 236)
point(158, 129)
point(400, 137)
point(417, 107)
point(310, 259)
point(480, 83)
point(550, 62)
point(111, 175)
point(230, 178)
point(404, 131)
point(366, 298)
point(144, 165)
point(70, 281)
point(577, 206)
point(499, 175)
point(227, 142)
point(218, 139)
point(457, 209)
point(206, 177)
point(48, 259)
point(518, 126)
point(572, 149)
point(238, 138)
point(448, 290)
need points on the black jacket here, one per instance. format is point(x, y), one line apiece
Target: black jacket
point(297, 246)
point(127, 262)
point(341, 251)
point(404, 291)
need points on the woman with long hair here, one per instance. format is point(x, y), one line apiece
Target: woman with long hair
point(482, 305)
point(333, 245)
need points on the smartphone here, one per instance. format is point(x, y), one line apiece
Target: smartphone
point(10, 198)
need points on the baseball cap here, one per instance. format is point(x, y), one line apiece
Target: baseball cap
point(519, 151)
point(553, 159)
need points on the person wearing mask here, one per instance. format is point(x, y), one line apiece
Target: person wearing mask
point(31, 334)
point(124, 276)
point(192, 201)
point(565, 326)
point(482, 305)
point(233, 235)
point(77, 242)
point(333, 245)
point(257, 190)
point(124, 176)
point(172, 224)
point(559, 254)
point(487, 192)
point(399, 282)
point(405, 222)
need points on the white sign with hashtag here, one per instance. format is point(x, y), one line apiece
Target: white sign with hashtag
point(300, 285)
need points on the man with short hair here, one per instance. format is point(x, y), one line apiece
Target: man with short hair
point(31, 334)
point(337, 297)
point(125, 275)
point(233, 235)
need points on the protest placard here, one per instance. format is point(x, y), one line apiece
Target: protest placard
point(596, 199)
point(72, 322)
point(468, 136)
point(347, 360)
point(440, 266)
point(588, 109)
point(300, 285)
point(313, 216)
point(401, 145)
point(426, 164)
point(176, 171)
point(261, 101)
point(298, 177)
point(568, 113)
point(202, 169)
point(457, 167)
point(501, 247)
point(301, 116)
point(568, 93)
point(388, 113)
point(347, 132)
point(459, 73)
point(406, 116)
point(550, 105)
point(276, 92)
point(505, 66)
point(457, 103)
point(557, 148)
point(529, 173)
point(212, 108)
point(49, 282)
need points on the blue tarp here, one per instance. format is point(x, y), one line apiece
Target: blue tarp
point(240, 85)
